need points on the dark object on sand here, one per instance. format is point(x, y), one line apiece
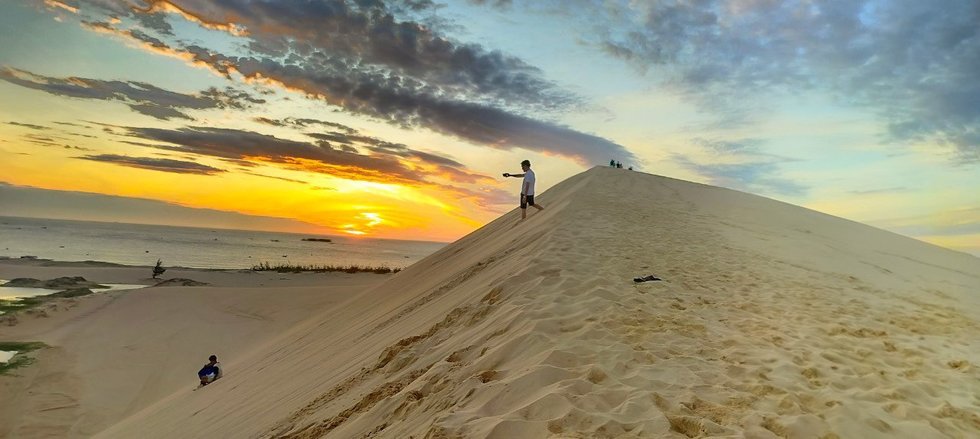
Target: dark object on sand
point(25, 282)
point(61, 283)
point(74, 292)
point(181, 282)
point(158, 269)
point(647, 278)
point(317, 239)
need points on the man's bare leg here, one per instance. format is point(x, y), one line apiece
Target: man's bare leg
point(523, 214)
point(537, 207)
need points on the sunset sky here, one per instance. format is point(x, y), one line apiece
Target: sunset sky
point(396, 118)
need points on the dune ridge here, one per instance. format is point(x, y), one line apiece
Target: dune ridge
point(771, 321)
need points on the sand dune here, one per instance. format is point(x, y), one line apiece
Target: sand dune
point(771, 321)
point(114, 353)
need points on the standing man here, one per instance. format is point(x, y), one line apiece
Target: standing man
point(527, 188)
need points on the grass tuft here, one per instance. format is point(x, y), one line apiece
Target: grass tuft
point(19, 359)
point(20, 304)
point(289, 268)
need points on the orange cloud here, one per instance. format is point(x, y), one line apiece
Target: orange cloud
point(166, 6)
point(55, 4)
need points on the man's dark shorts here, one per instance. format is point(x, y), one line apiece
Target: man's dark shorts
point(528, 202)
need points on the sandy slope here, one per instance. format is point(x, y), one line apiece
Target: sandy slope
point(112, 354)
point(771, 321)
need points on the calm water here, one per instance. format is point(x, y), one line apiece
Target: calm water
point(135, 244)
point(10, 293)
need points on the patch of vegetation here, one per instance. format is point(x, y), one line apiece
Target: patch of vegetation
point(20, 304)
point(158, 269)
point(19, 359)
point(61, 283)
point(74, 292)
point(317, 239)
point(289, 268)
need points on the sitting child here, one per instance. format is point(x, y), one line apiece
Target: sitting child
point(210, 371)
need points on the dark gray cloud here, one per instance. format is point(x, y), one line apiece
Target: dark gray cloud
point(333, 153)
point(344, 139)
point(291, 180)
point(58, 145)
point(230, 97)
point(150, 41)
point(383, 97)
point(303, 123)
point(39, 138)
point(412, 5)
point(367, 33)
point(141, 97)
point(155, 164)
point(248, 145)
point(362, 58)
point(70, 133)
point(72, 124)
point(348, 139)
point(911, 62)
point(151, 145)
point(51, 141)
point(156, 21)
point(29, 125)
point(452, 169)
point(383, 165)
point(401, 150)
point(241, 163)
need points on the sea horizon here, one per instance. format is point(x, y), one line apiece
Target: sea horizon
point(197, 247)
point(311, 234)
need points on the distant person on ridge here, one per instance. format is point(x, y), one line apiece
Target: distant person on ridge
point(527, 188)
point(210, 371)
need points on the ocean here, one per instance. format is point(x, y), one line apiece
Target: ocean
point(139, 244)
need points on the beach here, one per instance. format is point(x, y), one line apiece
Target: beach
point(111, 354)
point(767, 320)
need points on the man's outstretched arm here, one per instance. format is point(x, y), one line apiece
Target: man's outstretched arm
point(507, 174)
